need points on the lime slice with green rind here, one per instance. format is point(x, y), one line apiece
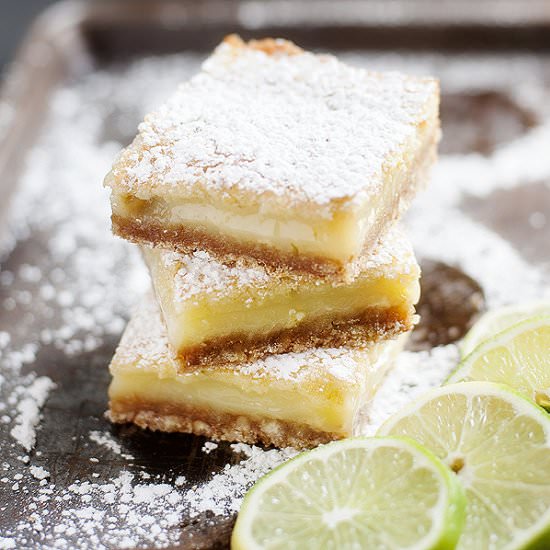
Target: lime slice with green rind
point(518, 357)
point(357, 493)
point(498, 443)
point(497, 320)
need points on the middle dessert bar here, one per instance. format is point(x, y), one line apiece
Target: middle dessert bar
point(229, 313)
point(296, 399)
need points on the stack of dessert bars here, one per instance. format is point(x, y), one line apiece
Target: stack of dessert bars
point(264, 195)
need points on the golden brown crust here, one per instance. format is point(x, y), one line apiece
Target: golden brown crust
point(167, 417)
point(270, 46)
point(371, 325)
point(187, 239)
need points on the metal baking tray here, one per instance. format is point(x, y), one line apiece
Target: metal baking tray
point(41, 298)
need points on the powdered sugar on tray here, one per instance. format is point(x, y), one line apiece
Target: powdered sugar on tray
point(127, 510)
point(39, 473)
point(66, 287)
point(224, 492)
point(208, 447)
point(107, 441)
point(31, 398)
point(413, 374)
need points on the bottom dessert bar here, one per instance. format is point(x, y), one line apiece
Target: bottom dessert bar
point(296, 399)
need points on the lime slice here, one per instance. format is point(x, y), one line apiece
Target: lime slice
point(357, 493)
point(498, 443)
point(518, 357)
point(500, 319)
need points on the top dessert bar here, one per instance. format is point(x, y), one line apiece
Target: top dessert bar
point(290, 157)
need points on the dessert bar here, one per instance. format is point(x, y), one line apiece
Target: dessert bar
point(231, 313)
point(279, 154)
point(297, 399)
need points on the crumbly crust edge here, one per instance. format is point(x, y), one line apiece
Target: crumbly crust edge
point(371, 325)
point(187, 239)
point(270, 46)
point(217, 425)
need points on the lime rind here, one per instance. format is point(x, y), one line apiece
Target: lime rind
point(497, 320)
point(532, 381)
point(445, 528)
point(538, 535)
point(470, 388)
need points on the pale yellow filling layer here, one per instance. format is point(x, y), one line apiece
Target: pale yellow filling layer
point(277, 306)
point(340, 237)
point(322, 402)
point(248, 400)
point(203, 320)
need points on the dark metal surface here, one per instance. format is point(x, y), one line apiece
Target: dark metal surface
point(75, 38)
point(450, 302)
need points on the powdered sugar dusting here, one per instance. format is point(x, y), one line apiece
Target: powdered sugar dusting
point(341, 364)
point(331, 128)
point(128, 509)
point(107, 441)
point(413, 374)
point(209, 446)
point(224, 492)
point(7, 543)
point(199, 273)
point(28, 408)
point(39, 473)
